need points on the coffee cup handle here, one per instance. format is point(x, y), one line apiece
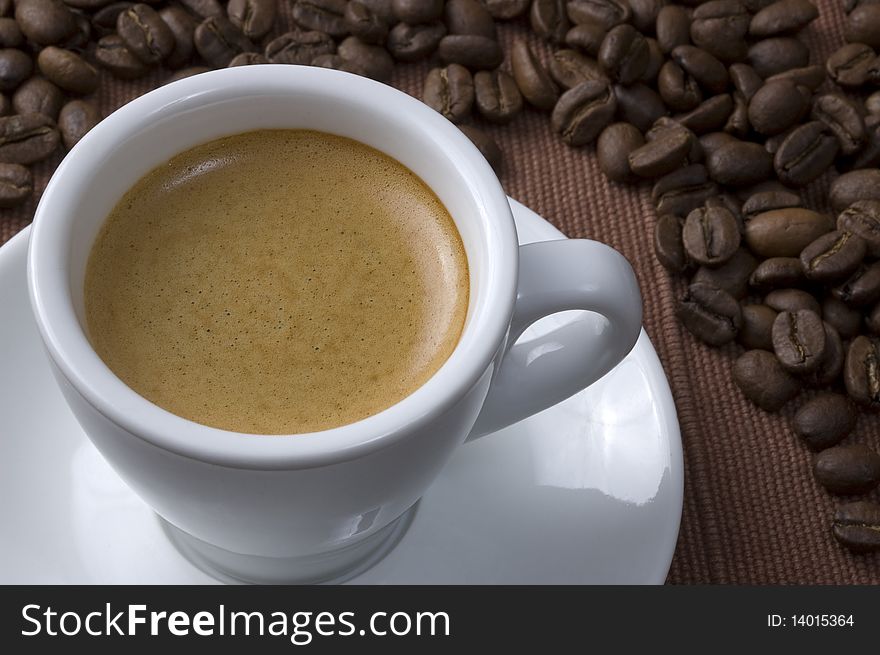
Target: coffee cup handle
point(556, 276)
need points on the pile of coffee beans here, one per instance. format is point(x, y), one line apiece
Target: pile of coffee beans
point(717, 105)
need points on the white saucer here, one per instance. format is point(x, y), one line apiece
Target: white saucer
point(589, 491)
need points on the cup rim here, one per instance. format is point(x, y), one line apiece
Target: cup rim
point(76, 360)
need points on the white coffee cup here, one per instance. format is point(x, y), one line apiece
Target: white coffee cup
point(315, 507)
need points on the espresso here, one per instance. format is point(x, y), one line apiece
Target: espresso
point(277, 282)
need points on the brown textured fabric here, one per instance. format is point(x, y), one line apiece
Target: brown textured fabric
point(752, 512)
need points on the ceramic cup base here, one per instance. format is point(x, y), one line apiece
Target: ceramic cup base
point(323, 568)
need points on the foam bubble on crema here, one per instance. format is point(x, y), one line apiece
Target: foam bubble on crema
point(277, 282)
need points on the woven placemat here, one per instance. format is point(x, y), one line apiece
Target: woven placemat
point(752, 512)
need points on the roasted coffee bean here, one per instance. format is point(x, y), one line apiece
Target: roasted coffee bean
point(255, 17)
point(415, 12)
point(533, 81)
point(639, 104)
point(732, 276)
point(853, 65)
point(757, 328)
point(333, 62)
point(549, 20)
point(785, 232)
point(16, 185)
point(368, 60)
point(607, 13)
point(662, 155)
point(295, 47)
point(570, 68)
point(678, 89)
point(808, 76)
point(869, 155)
point(765, 186)
point(77, 117)
point(145, 33)
point(851, 469)
point(668, 246)
point(382, 8)
point(829, 369)
point(857, 526)
point(485, 144)
point(506, 9)
point(861, 372)
point(710, 115)
point(67, 70)
point(586, 37)
point(182, 27)
point(183, 73)
point(44, 22)
point(79, 40)
point(583, 112)
point(762, 380)
point(792, 300)
point(843, 318)
point(682, 190)
point(695, 153)
point(710, 236)
point(414, 42)
point(799, 340)
point(673, 28)
point(476, 52)
point(720, 27)
point(218, 41)
point(644, 13)
point(706, 69)
point(450, 91)
point(328, 16)
point(872, 320)
point(15, 68)
point(203, 8)
point(863, 25)
point(624, 54)
point(739, 163)
point(655, 61)
point(104, 19)
point(777, 106)
point(468, 17)
point(10, 34)
point(745, 80)
point(714, 140)
point(249, 59)
point(27, 138)
point(854, 186)
point(80, 37)
point(497, 96)
point(843, 118)
point(833, 256)
point(863, 218)
point(112, 54)
point(783, 17)
point(778, 54)
point(38, 96)
point(805, 154)
point(364, 23)
point(738, 121)
point(710, 314)
point(778, 273)
point(872, 103)
point(862, 287)
point(825, 420)
point(764, 201)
